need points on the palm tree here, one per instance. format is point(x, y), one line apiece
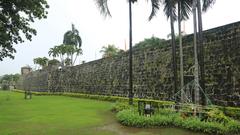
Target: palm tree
point(61, 49)
point(206, 5)
point(196, 68)
point(73, 40)
point(72, 37)
point(78, 52)
point(70, 51)
point(43, 62)
point(184, 8)
point(104, 10)
point(170, 12)
point(53, 52)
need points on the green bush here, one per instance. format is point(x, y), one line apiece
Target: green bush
point(216, 115)
point(130, 117)
point(119, 106)
point(231, 112)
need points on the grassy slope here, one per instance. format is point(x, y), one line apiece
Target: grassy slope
point(51, 115)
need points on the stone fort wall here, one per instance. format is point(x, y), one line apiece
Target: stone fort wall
point(152, 71)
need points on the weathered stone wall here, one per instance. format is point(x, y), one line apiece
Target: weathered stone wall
point(152, 71)
point(34, 81)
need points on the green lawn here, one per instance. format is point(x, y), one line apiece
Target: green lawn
point(51, 115)
point(59, 115)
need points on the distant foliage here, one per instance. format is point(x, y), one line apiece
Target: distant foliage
point(53, 62)
point(151, 42)
point(10, 77)
point(110, 51)
point(9, 80)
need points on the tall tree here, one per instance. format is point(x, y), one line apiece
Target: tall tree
point(15, 19)
point(170, 12)
point(103, 6)
point(72, 37)
point(184, 9)
point(206, 5)
point(74, 42)
point(196, 68)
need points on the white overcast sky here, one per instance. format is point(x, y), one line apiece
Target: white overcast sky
point(97, 31)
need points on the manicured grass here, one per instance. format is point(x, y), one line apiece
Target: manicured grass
point(51, 115)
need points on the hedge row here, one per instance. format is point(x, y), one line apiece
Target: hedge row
point(98, 97)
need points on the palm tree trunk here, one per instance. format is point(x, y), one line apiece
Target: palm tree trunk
point(130, 55)
point(196, 72)
point(181, 51)
point(201, 51)
point(75, 59)
point(174, 63)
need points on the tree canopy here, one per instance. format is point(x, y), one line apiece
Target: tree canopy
point(43, 62)
point(10, 77)
point(15, 19)
point(72, 37)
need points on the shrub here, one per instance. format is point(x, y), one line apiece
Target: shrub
point(231, 112)
point(216, 115)
point(119, 106)
point(130, 117)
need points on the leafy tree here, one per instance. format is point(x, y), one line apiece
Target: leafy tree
point(43, 62)
point(15, 19)
point(109, 51)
